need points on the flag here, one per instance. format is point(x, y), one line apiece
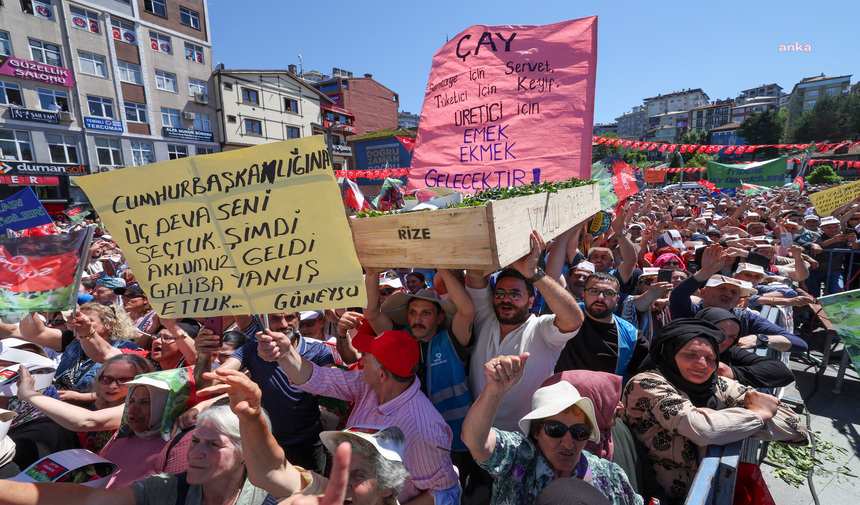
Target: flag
point(798, 184)
point(390, 196)
point(21, 211)
point(616, 179)
point(37, 231)
point(408, 142)
point(37, 274)
point(353, 198)
point(707, 184)
point(752, 189)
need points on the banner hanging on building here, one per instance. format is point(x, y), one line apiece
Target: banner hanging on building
point(764, 173)
point(21, 211)
point(37, 274)
point(508, 106)
point(252, 231)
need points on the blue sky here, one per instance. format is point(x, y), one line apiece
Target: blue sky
point(644, 48)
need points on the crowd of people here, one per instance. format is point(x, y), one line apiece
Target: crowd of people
point(611, 356)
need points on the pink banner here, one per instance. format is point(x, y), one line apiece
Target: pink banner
point(508, 106)
point(35, 71)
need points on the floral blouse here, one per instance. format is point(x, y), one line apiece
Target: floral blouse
point(521, 472)
point(676, 434)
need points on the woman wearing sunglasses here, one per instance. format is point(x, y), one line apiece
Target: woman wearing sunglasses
point(550, 445)
point(95, 425)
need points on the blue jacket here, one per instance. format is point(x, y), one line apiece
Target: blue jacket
point(627, 334)
point(446, 385)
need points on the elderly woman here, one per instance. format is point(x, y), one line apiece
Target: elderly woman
point(550, 445)
point(683, 406)
point(216, 475)
point(95, 426)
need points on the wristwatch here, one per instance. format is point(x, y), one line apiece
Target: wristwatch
point(762, 339)
point(538, 276)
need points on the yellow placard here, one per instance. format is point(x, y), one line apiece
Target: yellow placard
point(253, 231)
point(829, 199)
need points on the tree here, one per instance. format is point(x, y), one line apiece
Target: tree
point(823, 174)
point(601, 151)
point(763, 128)
point(697, 138)
point(833, 118)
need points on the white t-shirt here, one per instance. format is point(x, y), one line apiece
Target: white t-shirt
point(537, 335)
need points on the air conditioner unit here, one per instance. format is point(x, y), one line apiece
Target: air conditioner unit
point(66, 116)
point(201, 98)
point(188, 115)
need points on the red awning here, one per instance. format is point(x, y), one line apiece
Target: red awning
point(335, 108)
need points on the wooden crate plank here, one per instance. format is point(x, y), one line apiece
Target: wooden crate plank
point(445, 238)
point(551, 214)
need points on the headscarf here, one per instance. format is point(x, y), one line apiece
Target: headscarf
point(669, 256)
point(717, 315)
point(157, 402)
point(666, 344)
point(604, 390)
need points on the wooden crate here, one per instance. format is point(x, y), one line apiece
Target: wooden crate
point(490, 236)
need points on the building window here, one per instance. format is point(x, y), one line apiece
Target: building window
point(231, 119)
point(38, 8)
point(160, 43)
point(812, 92)
point(250, 96)
point(699, 123)
point(253, 127)
point(157, 7)
point(166, 81)
point(92, 64)
point(725, 110)
point(135, 112)
point(48, 54)
point(100, 106)
point(10, 94)
point(129, 72)
point(189, 17)
point(142, 153)
point(171, 117)
point(15, 145)
point(63, 148)
point(174, 152)
point(52, 100)
point(5, 44)
point(108, 152)
point(205, 150)
point(196, 86)
point(201, 122)
point(831, 91)
point(85, 20)
point(122, 31)
point(193, 52)
point(291, 105)
point(293, 132)
point(811, 103)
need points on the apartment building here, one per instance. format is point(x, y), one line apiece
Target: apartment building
point(633, 125)
point(809, 90)
point(707, 117)
point(676, 101)
point(96, 85)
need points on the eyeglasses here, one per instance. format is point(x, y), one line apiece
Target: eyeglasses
point(386, 291)
point(557, 429)
point(308, 323)
point(672, 264)
point(165, 338)
point(513, 294)
point(606, 293)
point(55, 322)
point(131, 296)
point(106, 380)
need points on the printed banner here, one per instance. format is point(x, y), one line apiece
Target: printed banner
point(37, 274)
point(843, 310)
point(764, 173)
point(616, 179)
point(508, 106)
point(21, 211)
point(35, 71)
point(251, 231)
point(654, 175)
point(828, 200)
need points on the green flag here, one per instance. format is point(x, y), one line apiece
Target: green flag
point(763, 173)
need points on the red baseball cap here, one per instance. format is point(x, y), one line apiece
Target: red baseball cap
point(396, 350)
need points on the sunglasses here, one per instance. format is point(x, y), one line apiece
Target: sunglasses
point(386, 291)
point(106, 380)
point(557, 429)
point(513, 294)
point(308, 323)
point(132, 296)
point(55, 322)
point(671, 264)
point(647, 281)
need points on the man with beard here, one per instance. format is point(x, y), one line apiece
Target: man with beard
point(298, 415)
point(504, 326)
point(605, 343)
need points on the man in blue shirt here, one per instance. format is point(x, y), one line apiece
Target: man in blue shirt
point(297, 413)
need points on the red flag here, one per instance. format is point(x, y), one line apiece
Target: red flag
point(740, 149)
point(635, 145)
point(623, 180)
point(710, 185)
point(752, 148)
point(353, 198)
point(701, 149)
point(627, 143)
point(601, 140)
point(683, 148)
point(729, 150)
point(21, 274)
point(672, 147)
point(652, 146)
point(663, 147)
point(408, 142)
point(38, 231)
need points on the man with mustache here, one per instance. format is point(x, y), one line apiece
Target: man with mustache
point(504, 326)
point(605, 343)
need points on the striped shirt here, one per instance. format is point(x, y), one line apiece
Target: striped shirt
point(427, 451)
